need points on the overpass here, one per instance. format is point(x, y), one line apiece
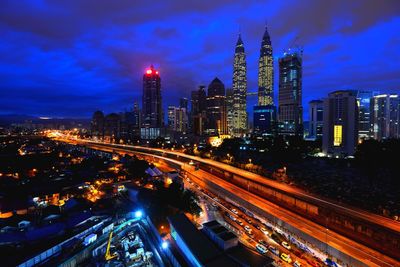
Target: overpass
point(374, 239)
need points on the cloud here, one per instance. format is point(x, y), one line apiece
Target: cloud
point(73, 57)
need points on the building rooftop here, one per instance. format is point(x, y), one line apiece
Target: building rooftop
point(198, 243)
point(201, 247)
point(227, 236)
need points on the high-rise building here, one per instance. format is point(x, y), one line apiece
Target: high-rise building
point(177, 119)
point(264, 120)
point(266, 72)
point(137, 115)
point(183, 103)
point(290, 110)
point(229, 110)
point(239, 116)
point(152, 114)
point(316, 112)
point(340, 132)
point(97, 124)
point(385, 116)
point(216, 108)
point(130, 123)
point(198, 111)
point(112, 127)
point(264, 114)
point(364, 116)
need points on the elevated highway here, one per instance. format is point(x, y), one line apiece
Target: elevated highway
point(374, 239)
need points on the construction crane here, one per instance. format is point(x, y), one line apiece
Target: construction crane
point(294, 45)
point(108, 255)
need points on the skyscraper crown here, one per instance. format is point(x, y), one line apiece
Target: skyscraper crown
point(239, 45)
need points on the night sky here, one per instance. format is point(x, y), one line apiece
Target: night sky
point(70, 58)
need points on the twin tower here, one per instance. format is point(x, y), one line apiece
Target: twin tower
point(237, 122)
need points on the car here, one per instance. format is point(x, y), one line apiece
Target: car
point(257, 226)
point(247, 228)
point(286, 258)
point(240, 222)
point(263, 242)
point(234, 211)
point(250, 235)
point(274, 250)
point(248, 220)
point(297, 264)
point(262, 249)
point(214, 204)
point(286, 245)
point(265, 232)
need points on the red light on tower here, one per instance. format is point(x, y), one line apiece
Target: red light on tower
point(157, 72)
point(149, 72)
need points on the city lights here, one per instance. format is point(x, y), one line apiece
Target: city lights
point(164, 244)
point(138, 214)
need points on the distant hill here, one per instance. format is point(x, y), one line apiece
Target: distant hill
point(8, 119)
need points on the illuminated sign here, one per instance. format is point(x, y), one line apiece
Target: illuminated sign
point(337, 135)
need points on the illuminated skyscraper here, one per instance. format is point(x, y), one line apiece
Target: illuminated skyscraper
point(290, 110)
point(364, 116)
point(198, 111)
point(316, 111)
point(216, 108)
point(229, 110)
point(152, 115)
point(340, 130)
point(177, 119)
point(385, 116)
point(266, 72)
point(239, 114)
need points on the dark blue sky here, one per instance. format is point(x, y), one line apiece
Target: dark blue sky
point(69, 58)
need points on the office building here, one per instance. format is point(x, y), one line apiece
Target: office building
point(97, 124)
point(264, 120)
point(183, 103)
point(177, 119)
point(239, 109)
point(364, 116)
point(112, 127)
point(131, 123)
point(340, 131)
point(229, 110)
point(316, 116)
point(290, 110)
point(216, 109)
point(266, 72)
point(198, 111)
point(385, 112)
point(152, 114)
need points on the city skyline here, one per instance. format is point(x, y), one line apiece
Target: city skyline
point(52, 70)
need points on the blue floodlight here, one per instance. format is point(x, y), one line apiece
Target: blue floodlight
point(164, 244)
point(138, 214)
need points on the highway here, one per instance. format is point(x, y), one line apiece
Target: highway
point(357, 251)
